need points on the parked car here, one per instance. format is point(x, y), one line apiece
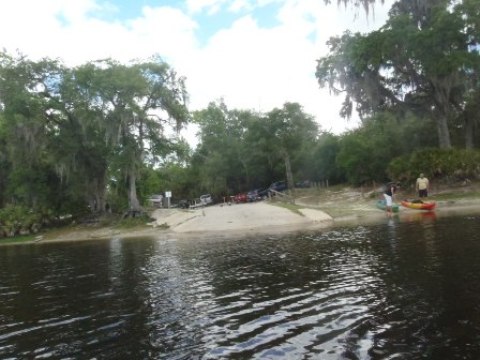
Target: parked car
point(254, 195)
point(240, 198)
point(278, 186)
point(156, 200)
point(206, 199)
point(263, 193)
point(183, 204)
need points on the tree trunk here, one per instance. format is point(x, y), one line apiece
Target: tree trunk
point(100, 193)
point(469, 144)
point(132, 192)
point(100, 200)
point(443, 132)
point(96, 195)
point(441, 92)
point(288, 170)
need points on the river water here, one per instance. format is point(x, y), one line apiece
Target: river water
point(404, 288)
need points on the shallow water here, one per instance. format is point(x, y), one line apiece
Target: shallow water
point(406, 288)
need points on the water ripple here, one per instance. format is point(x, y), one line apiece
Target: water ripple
point(390, 291)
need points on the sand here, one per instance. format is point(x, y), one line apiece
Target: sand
point(215, 221)
point(258, 217)
point(245, 220)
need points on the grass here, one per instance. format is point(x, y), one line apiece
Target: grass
point(132, 222)
point(18, 239)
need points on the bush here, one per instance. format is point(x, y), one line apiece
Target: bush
point(17, 219)
point(449, 165)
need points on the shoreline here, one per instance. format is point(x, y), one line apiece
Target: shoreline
point(255, 219)
point(211, 222)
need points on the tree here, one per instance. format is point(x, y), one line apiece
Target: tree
point(66, 131)
point(54, 134)
point(469, 10)
point(419, 61)
point(241, 150)
point(288, 129)
point(138, 103)
point(221, 159)
point(364, 154)
point(323, 164)
point(4, 161)
point(30, 119)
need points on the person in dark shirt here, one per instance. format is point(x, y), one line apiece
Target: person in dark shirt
point(389, 193)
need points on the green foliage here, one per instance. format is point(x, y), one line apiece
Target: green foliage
point(323, 163)
point(442, 164)
point(243, 150)
point(170, 177)
point(117, 195)
point(75, 139)
point(133, 222)
point(290, 130)
point(65, 131)
point(354, 158)
point(363, 155)
point(222, 161)
point(14, 219)
point(421, 61)
point(138, 102)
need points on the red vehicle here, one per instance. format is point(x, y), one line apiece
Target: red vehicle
point(240, 198)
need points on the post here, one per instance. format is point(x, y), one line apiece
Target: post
point(168, 195)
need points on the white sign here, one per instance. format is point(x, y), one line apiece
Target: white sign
point(168, 194)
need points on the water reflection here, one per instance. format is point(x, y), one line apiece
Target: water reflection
point(407, 288)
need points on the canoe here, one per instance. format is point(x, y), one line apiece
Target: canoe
point(419, 205)
point(381, 205)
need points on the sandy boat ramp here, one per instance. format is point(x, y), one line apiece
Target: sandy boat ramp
point(258, 217)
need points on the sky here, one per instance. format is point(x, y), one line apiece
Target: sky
point(253, 54)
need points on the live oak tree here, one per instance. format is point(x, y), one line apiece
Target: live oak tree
point(30, 121)
point(56, 152)
point(79, 148)
point(139, 102)
point(67, 132)
point(421, 61)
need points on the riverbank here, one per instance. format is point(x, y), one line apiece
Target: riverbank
point(313, 210)
point(216, 221)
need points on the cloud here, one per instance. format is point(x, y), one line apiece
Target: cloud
point(262, 68)
point(250, 63)
point(211, 6)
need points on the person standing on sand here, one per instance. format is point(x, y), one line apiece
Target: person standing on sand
point(388, 195)
point(422, 186)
